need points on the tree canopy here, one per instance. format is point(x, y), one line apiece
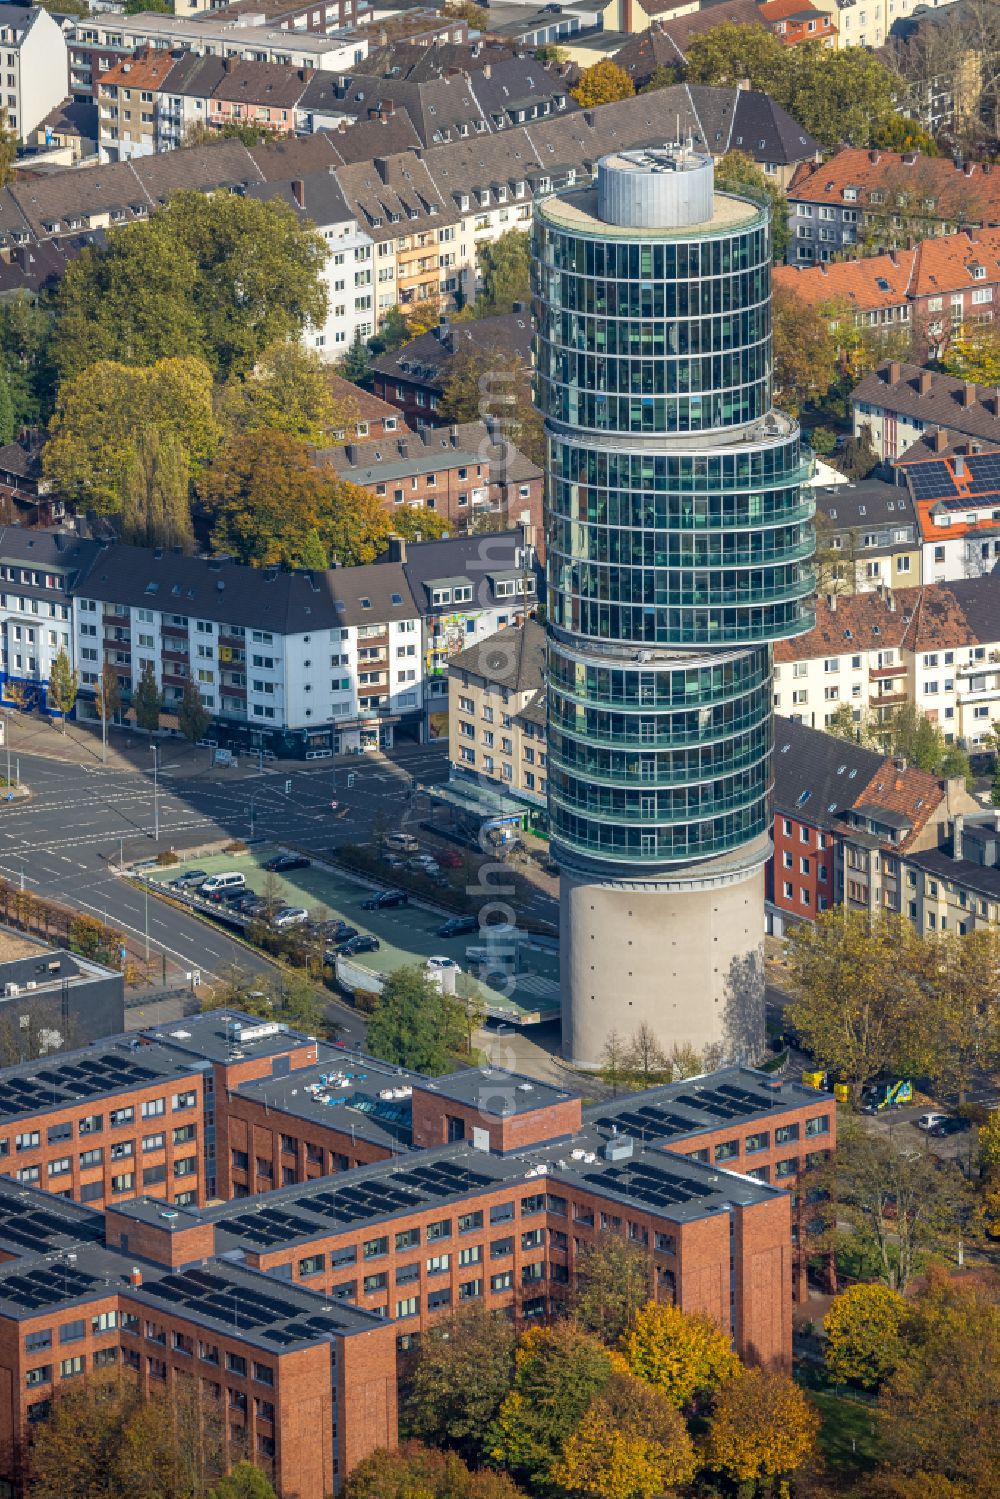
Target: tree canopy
point(610, 1284)
point(685, 1357)
point(415, 1025)
point(460, 1379)
point(108, 417)
point(805, 351)
point(288, 390)
point(504, 267)
point(864, 1334)
point(762, 1427)
point(604, 83)
point(974, 354)
point(738, 172)
point(214, 276)
point(631, 1444)
point(841, 97)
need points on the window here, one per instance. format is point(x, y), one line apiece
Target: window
point(820, 1125)
point(727, 1150)
point(408, 1239)
point(759, 1141)
point(311, 1265)
point(236, 1364)
point(373, 1283)
point(372, 1248)
point(72, 1366)
point(785, 1134)
point(438, 1264)
point(408, 1307)
point(29, 1140)
point(59, 1132)
point(439, 1230)
point(468, 1222)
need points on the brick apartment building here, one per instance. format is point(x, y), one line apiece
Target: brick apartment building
point(885, 195)
point(401, 1198)
point(848, 823)
point(930, 291)
point(414, 377)
point(463, 473)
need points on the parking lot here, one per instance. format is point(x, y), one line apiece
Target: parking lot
point(406, 934)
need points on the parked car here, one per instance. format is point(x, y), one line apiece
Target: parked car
point(340, 931)
point(250, 904)
point(362, 943)
point(215, 887)
point(928, 1121)
point(385, 898)
point(450, 858)
point(403, 843)
point(282, 862)
point(395, 862)
point(458, 926)
point(951, 1125)
point(424, 864)
point(289, 916)
point(193, 877)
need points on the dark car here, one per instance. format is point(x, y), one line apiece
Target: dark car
point(457, 926)
point(949, 1127)
point(385, 898)
point(359, 944)
point(283, 862)
point(339, 931)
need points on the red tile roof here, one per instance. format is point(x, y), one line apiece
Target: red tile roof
point(915, 794)
point(853, 281)
point(967, 193)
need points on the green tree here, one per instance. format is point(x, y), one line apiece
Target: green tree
point(661, 77)
point(726, 54)
point(147, 700)
point(461, 1377)
point(288, 390)
point(841, 723)
point(214, 276)
point(864, 1342)
point(859, 1000)
point(243, 1482)
point(550, 53)
point(415, 1025)
point(193, 718)
point(963, 1009)
point(611, 1283)
point(504, 267)
point(901, 133)
point(106, 419)
point(604, 83)
point(279, 995)
point(356, 364)
point(859, 454)
point(156, 506)
point(155, 7)
point(63, 685)
point(464, 10)
point(419, 525)
point(8, 420)
point(739, 173)
point(560, 1370)
point(8, 150)
point(25, 334)
point(107, 700)
point(895, 1207)
point(684, 1356)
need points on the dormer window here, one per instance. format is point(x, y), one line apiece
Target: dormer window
point(850, 195)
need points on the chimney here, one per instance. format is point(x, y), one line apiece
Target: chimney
point(894, 257)
point(227, 64)
point(873, 158)
point(453, 436)
point(135, 1276)
point(381, 165)
point(352, 452)
point(925, 383)
point(299, 192)
point(387, 109)
point(940, 440)
point(969, 394)
point(895, 371)
point(517, 307)
point(397, 549)
point(831, 602)
point(958, 835)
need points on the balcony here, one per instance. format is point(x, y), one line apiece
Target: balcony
point(887, 699)
point(882, 673)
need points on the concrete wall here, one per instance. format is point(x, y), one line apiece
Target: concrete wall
point(683, 956)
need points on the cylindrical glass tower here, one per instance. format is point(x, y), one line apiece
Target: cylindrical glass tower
point(679, 547)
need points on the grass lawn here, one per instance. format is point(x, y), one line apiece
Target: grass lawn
point(847, 1438)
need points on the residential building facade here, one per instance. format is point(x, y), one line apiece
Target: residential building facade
point(937, 647)
point(868, 537)
point(34, 66)
point(496, 714)
point(903, 405)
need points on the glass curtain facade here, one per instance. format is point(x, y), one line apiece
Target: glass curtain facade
point(679, 534)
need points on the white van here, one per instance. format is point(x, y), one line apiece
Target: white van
point(218, 885)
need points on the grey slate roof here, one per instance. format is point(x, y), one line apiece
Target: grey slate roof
point(867, 503)
point(817, 777)
point(405, 454)
point(942, 406)
point(938, 862)
point(478, 558)
point(429, 356)
point(517, 662)
point(259, 598)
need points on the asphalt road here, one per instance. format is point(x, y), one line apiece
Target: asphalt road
point(80, 820)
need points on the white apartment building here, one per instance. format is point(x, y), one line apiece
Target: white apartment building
point(221, 38)
point(34, 62)
point(937, 647)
